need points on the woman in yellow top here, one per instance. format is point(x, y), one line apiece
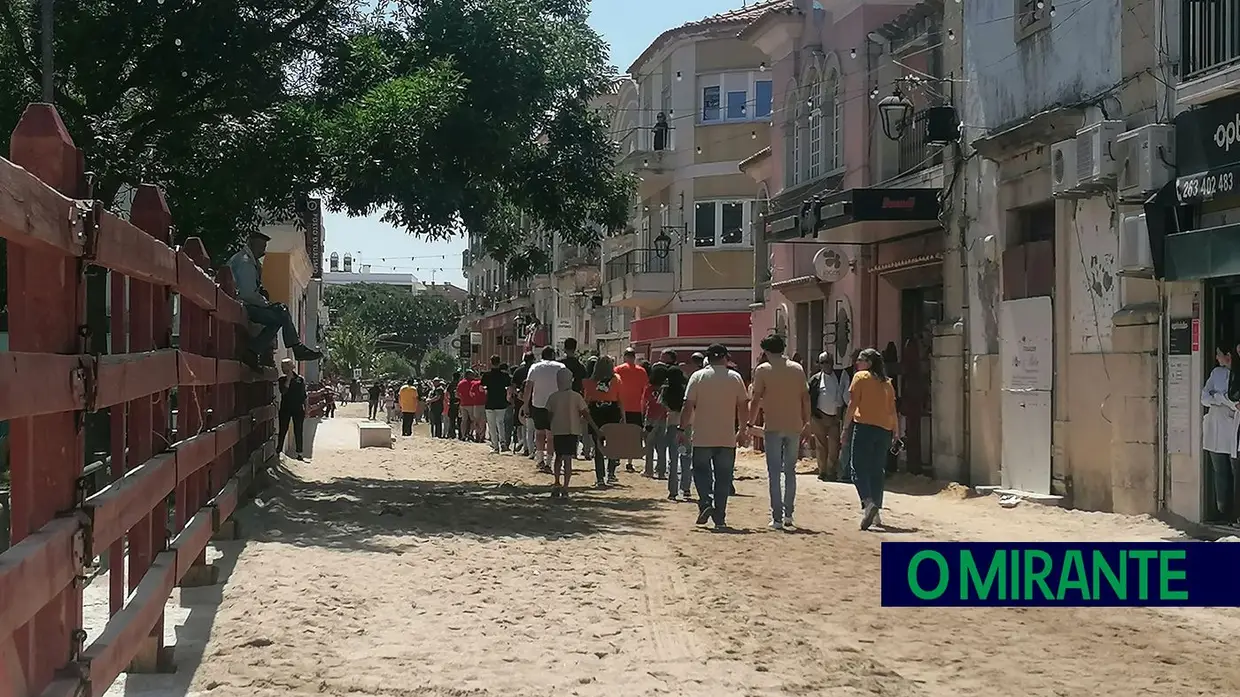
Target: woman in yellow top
point(871, 423)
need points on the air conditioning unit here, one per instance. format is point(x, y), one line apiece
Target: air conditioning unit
point(1134, 246)
point(1097, 162)
point(1145, 153)
point(1063, 169)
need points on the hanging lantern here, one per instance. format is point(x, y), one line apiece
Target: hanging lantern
point(896, 111)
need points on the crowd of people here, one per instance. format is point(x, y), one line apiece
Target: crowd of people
point(688, 417)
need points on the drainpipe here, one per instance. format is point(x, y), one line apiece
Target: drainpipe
point(1162, 462)
point(967, 347)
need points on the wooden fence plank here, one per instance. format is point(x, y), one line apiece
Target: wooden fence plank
point(194, 369)
point(33, 384)
point(225, 502)
point(192, 540)
point(192, 282)
point(195, 453)
point(34, 571)
point(130, 376)
point(125, 634)
point(126, 249)
point(32, 214)
point(123, 503)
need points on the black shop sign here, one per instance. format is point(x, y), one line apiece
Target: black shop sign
point(1207, 157)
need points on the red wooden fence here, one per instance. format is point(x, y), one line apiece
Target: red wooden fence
point(49, 380)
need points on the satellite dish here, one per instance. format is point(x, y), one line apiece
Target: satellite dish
point(830, 264)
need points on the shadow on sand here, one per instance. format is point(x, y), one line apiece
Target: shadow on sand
point(350, 513)
point(193, 634)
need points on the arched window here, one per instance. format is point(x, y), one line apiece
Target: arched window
point(334, 262)
point(834, 120)
point(792, 139)
point(814, 126)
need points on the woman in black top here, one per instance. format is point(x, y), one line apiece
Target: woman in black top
point(434, 409)
point(454, 405)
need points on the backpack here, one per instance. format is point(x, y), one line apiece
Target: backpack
point(672, 392)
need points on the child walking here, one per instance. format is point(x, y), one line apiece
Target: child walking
point(569, 418)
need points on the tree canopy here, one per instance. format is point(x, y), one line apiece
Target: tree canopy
point(439, 364)
point(404, 323)
point(443, 115)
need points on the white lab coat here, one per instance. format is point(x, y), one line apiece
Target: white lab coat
point(1218, 428)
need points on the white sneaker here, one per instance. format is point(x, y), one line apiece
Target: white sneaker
point(775, 525)
point(787, 521)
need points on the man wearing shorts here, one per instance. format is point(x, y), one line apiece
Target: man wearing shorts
point(540, 383)
point(569, 417)
point(633, 382)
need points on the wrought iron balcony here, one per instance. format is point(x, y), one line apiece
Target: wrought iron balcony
point(915, 152)
point(1209, 36)
point(638, 278)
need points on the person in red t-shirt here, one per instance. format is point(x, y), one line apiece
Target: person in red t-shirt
point(633, 381)
point(477, 407)
point(465, 394)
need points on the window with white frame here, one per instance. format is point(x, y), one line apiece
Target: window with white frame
point(792, 140)
point(814, 126)
point(722, 223)
point(730, 97)
point(837, 122)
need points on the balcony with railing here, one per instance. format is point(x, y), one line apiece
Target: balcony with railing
point(915, 152)
point(1209, 49)
point(639, 278)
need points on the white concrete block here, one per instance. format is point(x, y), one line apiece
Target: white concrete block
point(373, 435)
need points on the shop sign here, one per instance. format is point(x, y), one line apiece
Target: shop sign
point(1180, 337)
point(1207, 144)
point(313, 228)
point(895, 204)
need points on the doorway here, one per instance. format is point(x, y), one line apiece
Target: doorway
point(920, 310)
point(1222, 329)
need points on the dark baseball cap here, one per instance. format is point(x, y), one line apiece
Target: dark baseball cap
point(716, 351)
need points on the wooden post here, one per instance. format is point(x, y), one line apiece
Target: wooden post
point(118, 443)
point(192, 493)
point(225, 395)
point(46, 452)
point(152, 329)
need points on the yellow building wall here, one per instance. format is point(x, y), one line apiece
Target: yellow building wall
point(277, 276)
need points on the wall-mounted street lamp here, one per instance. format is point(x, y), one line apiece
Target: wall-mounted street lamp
point(662, 244)
point(896, 112)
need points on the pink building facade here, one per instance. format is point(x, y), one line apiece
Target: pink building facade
point(851, 255)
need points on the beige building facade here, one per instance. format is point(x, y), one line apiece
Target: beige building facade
point(697, 103)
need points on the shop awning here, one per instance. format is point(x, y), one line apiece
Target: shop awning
point(863, 216)
point(1205, 253)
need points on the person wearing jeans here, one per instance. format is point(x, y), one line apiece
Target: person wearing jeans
point(658, 444)
point(496, 383)
point(871, 423)
point(274, 318)
point(781, 394)
point(715, 402)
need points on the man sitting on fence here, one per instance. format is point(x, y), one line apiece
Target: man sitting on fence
point(274, 317)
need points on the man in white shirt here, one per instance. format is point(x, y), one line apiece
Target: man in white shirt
point(274, 317)
point(828, 398)
point(540, 383)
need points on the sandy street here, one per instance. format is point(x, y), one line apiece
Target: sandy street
point(437, 569)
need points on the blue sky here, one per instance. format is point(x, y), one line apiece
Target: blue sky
point(628, 26)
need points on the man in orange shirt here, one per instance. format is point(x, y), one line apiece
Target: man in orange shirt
point(633, 381)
